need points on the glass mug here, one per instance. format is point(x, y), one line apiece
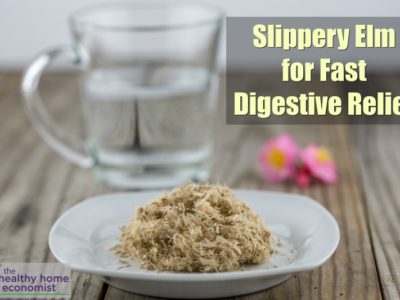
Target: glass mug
point(148, 90)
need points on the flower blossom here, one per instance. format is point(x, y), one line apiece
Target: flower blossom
point(278, 158)
point(318, 161)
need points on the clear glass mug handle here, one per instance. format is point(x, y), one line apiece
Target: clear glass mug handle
point(70, 147)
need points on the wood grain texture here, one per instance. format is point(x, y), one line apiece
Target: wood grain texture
point(379, 161)
point(36, 186)
point(380, 164)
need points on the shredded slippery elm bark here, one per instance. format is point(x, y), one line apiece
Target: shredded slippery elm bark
point(195, 228)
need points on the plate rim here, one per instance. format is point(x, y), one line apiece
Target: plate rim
point(192, 277)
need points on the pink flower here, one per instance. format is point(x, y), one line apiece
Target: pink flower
point(318, 160)
point(303, 177)
point(278, 158)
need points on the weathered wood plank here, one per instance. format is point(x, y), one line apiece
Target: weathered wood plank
point(379, 159)
point(351, 273)
point(36, 185)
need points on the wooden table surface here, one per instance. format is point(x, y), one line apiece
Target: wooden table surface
point(36, 186)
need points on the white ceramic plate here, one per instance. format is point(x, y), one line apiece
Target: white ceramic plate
point(82, 238)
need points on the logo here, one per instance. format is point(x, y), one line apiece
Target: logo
point(34, 280)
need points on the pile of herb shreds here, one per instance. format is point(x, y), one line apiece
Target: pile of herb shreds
point(195, 228)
